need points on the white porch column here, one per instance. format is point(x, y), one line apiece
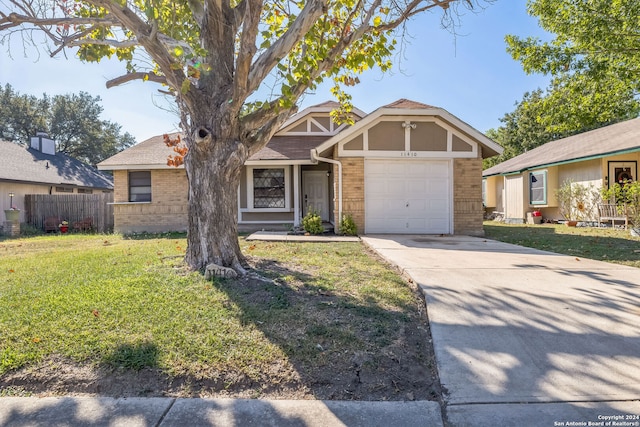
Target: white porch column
point(296, 195)
point(239, 213)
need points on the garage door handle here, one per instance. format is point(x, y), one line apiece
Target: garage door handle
point(407, 204)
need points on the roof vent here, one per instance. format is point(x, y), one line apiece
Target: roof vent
point(43, 143)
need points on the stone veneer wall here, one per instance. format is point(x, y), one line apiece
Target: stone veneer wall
point(167, 210)
point(468, 211)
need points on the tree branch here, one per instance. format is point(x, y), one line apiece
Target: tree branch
point(118, 44)
point(14, 20)
point(148, 37)
point(278, 50)
point(150, 76)
point(412, 9)
point(247, 50)
point(197, 9)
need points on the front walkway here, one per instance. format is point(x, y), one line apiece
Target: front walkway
point(283, 236)
point(526, 337)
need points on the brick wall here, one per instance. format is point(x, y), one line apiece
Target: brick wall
point(167, 210)
point(352, 190)
point(467, 197)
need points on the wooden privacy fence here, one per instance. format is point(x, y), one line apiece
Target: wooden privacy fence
point(71, 208)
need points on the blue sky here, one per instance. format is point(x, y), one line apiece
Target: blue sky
point(469, 74)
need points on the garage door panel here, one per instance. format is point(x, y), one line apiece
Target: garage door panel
point(417, 187)
point(436, 224)
point(407, 196)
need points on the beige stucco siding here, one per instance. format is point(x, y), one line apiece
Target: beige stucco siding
point(19, 190)
point(428, 136)
point(386, 136)
point(585, 173)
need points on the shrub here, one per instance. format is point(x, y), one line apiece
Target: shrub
point(29, 230)
point(626, 197)
point(348, 226)
point(577, 201)
point(312, 223)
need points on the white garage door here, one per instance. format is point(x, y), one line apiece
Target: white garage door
point(407, 196)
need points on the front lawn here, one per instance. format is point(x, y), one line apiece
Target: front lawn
point(119, 316)
point(604, 244)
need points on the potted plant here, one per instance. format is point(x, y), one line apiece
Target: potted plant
point(64, 226)
point(13, 214)
point(627, 200)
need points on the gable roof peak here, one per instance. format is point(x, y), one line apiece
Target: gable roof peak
point(327, 104)
point(408, 104)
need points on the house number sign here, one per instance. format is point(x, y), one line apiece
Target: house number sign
point(408, 154)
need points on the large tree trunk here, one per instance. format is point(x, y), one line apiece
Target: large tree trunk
point(213, 168)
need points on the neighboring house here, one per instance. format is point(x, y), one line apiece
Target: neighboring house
point(529, 181)
point(405, 168)
point(40, 170)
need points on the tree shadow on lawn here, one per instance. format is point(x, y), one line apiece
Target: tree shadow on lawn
point(341, 347)
point(337, 344)
point(599, 247)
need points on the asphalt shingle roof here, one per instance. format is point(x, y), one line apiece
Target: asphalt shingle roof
point(22, 164)
point(403, 103)
point(614, 138)
point(289, 148)
point(152, 151)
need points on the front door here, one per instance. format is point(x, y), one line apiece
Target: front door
point(315, 193)
point(622, 171)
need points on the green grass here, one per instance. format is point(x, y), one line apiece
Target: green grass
point(126, 303)
point(605, 244)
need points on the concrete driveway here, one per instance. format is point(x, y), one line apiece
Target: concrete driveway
point(526, 337)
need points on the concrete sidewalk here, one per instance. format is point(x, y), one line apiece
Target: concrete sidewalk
point(526, 337)
point(169, 412)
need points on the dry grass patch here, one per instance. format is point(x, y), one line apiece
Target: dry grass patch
point(123, 317)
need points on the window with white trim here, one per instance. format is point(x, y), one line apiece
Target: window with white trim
point(538, 188)
point(269, 189)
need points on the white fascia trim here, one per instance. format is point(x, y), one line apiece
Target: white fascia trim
point(137, 167)
point(129, 203)
point(471, 131)
point(265, 210)
point(284, 221)
point(451, 130)
point(409, 155)
point(311, 110)
point(277, 162)
point(398, 113)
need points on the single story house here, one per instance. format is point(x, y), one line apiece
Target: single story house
point(594, 159)
point(406, 167)
point(39, 169)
